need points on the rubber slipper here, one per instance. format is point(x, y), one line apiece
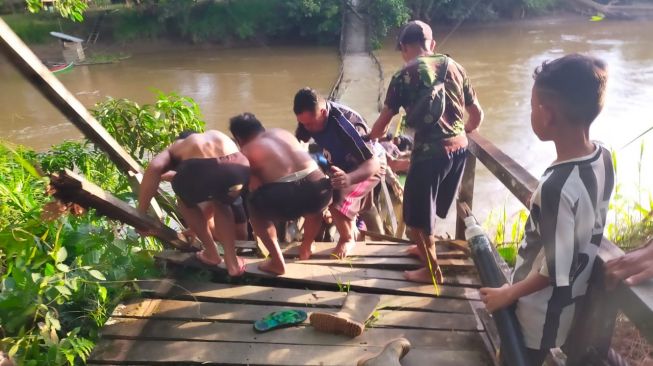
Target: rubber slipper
point(280, 319)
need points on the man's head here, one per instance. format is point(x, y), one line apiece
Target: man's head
point(310, 109)
point(415, 39)
point(244, 127)
point(569, 92)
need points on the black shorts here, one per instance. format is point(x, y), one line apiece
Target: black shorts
point(431, 186)
point(207, 179)
point(238, 208)
point(285, 201)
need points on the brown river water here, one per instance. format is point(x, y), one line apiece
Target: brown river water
point(499, 59)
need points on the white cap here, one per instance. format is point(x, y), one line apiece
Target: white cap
point(470, 221)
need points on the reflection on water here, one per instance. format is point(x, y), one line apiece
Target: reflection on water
point(223, 82)
point(500, 60)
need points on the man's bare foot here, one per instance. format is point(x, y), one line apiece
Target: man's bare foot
point(342, 249)
point(238, 271)
point(414, 251)
point(272, 266)
point(204, 258)
point(423, 275)
point(305, 252)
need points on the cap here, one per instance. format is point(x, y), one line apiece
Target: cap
point(413, 32)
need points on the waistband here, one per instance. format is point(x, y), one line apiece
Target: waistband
point(293, 177)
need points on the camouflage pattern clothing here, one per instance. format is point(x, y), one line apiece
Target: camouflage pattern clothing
point(416, 78)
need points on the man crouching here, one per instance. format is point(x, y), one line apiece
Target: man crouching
point(209, 170)
point(285, 183)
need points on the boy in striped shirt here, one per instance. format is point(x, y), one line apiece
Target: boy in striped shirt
point(568, 209)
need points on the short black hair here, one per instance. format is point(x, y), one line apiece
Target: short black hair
point(185, 134)
point(306, 99)
point(575, 84)
point(245, 126)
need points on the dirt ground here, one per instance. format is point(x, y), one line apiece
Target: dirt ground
point(630, 344)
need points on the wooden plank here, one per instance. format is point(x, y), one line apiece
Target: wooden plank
point(218, 292)
point(324, 250)
point(151, 329)
point(466, 193)
point(356, 279)
point(236, 353)
point(29, 65)
point(244, 313)
point(71, 187)
point(399, 263)
point(379, 236)
point(387, 207)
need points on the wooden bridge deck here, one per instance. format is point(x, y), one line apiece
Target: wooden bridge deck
point(182, 322)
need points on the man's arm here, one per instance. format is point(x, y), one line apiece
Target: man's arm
point(151, 179)
point(475, 116)
point(382, 123)
point(340, 179)
point(499, 298)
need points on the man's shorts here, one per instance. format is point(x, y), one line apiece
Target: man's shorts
point(431, 186)
point(287, 200)
point(355, 198)
point(211, 179)
point(238, 208)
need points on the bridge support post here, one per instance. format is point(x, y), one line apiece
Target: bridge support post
point(591, 333)
point(466, 193)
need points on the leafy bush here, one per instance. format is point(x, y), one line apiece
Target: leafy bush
point(148, 129)
point(63, 270)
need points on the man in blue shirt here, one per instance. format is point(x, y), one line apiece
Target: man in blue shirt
point(355, 167)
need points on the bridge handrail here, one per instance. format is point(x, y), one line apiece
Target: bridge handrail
point(593, 327)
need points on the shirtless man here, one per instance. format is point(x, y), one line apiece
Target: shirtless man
point(209, 168)
point(286, 183)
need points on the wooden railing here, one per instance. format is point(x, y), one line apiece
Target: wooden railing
point(592, 331)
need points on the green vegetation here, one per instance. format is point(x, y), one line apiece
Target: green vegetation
point(63, 270)
point(232, 21)
point(258, 21)
point(630, 220)
point(70, 9)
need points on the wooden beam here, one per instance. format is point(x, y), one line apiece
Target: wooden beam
point(54, 91)
point(456, 286)
point(517, 179)
point(29, 65)
point(377, 236)
point(466, 194)
point(70, 187)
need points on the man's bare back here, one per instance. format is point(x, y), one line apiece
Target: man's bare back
point(275, 154)
point(210, 144)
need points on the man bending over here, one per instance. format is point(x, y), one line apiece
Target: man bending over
point(286, 182)
point(209, 168)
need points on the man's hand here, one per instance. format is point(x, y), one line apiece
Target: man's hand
point(339, 179)
point(633, 268)
point(497, 298)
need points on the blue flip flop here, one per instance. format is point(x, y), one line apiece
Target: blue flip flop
point(280, 319)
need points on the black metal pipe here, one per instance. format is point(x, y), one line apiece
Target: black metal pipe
point(513, 350)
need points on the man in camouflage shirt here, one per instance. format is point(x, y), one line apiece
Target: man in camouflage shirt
point(438, 156)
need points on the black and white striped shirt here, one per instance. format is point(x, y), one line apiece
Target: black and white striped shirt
point(563, 234)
